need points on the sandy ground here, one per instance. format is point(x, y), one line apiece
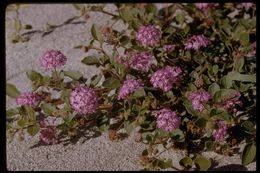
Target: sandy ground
point(92, 153)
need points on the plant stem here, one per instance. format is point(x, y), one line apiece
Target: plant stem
point(102, 107)
point(102, 50)
point(108, 13)
point(203, 68)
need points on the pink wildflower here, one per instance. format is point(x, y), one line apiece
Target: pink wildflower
point(205, 7)
point(52, 59)
point(166, 77)
point(129, 87)
point(141, 61)
point(221, 131)
point(197, 99)
point(48, 132)
point(196, 42)
point(148, 35)
point(84, 100)
point(28, 98)
point(231, 103)
point(167, 119)
point(247, 6)
point(168, 48)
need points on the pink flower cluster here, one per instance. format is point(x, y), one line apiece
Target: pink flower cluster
point(220, 133)
point(52, 59)
point(197, 99)
point(167, 119)
point(123, 59)
point(139, 61)
point(27, 98)
point(247, 6)
point(230, 104)
point(166, 77)
point(196, 42)
point(84, 100)
point(148, 35)
point(205, 7)
point(168, 48)
point(48, 132)
point(129, 86)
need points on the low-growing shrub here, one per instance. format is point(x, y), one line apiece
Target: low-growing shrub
point(182, 77)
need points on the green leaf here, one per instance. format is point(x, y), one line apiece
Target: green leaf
point(30, 113)
point(201, 122)
point(12, 112)
point(135, 24)
point(213, 88)
point(192, 87)
point(160, 133)
point(129, 127)
point(180, 17)
point(75, 75)
point(33, 130)
point(248, 154)
point(151, 8)
point(91, 60)
point(48, 108)
point(189, 108)
point(102, 122)
point(220, 95)
point(186, 162)
point(239, 64)
point(95, 79)
point(69, 118)
point(177, 135)
point(21, 123)
point(248, 127)
point(65, 94)
point(139, 93)
point(36, 78)
point(215, 69)
point(221, 113)
point(202, 163)
point(244, 38)
point(165, 164)
point(242, 77)
point(124, 40)
point(226, 82)
point(194, 74)
point(77, 6)
point(18, 25)
point(111, 83)
point(209, 145)
point(126, 14)
point(245, 87)
point(11, 90)
point(96, 33)
point(206, 79)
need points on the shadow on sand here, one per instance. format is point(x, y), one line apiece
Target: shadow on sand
point(230, 167)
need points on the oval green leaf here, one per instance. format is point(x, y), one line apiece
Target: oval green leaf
point(91, 60)
point(33, 130)
point(248, 154)
point(11, 90)
point(202, 163)
point(111, 83)
point(96, 33)
point(75, 75)
point(186, 162)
